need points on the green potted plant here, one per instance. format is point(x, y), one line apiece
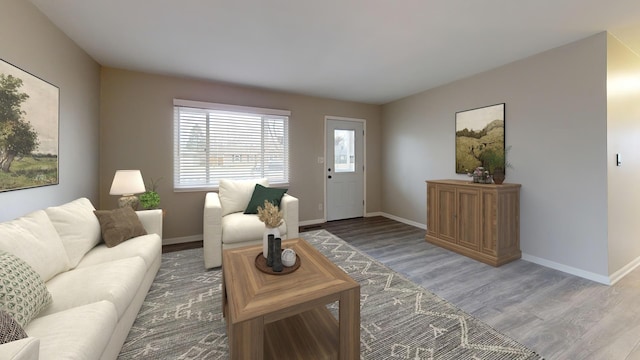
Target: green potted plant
point(150, 198)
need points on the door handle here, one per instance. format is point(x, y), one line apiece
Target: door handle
point(329, 176)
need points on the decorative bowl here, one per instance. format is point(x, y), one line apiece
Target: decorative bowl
point(288, 257)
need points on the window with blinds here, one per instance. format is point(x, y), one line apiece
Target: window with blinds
point(218, 141)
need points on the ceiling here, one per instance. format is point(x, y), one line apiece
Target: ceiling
point(371, 51)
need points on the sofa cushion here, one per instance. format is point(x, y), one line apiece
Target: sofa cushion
point(79, 333)
point(10, 330)
point(241, 227)
point(148, 247)
point(262, 194)
point(119, 225)
point(235, 194)
point(23, 294)
point(23, 349)
point(33, 239)
point(115, 281)
point(77, 227)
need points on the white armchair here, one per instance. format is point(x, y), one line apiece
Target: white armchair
point(226, 226)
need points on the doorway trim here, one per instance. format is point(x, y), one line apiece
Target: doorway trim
point(324, 164)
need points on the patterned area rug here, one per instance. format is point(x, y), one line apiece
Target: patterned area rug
point(181, 317)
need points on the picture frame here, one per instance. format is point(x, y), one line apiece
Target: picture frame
point(480, 138)
point(29, 130)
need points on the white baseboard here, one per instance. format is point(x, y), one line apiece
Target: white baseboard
point(312, 222)
point(182, 240)
point(544, 262)
point(372, 214)
point(568, 269)
point(602, 279)
point(624, 271)
point(404, 221)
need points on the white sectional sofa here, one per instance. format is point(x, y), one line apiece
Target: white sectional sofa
point(96, 291)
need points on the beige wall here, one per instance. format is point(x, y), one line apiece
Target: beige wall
point(556, 125)
point(136, 128)
point(29, 41)
point(623, 137)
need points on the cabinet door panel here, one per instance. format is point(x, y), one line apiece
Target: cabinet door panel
point(489, 223)
point(432, 210)
point(468, 214)
point(446, 227)
point(508, 218)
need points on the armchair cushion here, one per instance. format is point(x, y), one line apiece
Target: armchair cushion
point(235, 194)
point(239, 227)
point(262, 194)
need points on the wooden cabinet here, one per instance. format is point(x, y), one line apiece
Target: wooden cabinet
point(481, 221)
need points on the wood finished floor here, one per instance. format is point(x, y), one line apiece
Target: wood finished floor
point(558, 315)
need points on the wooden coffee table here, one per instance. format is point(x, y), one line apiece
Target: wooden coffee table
point(284, 316)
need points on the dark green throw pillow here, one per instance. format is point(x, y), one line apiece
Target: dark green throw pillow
point(260, 194)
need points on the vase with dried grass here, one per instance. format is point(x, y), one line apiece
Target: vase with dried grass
point(271, 216)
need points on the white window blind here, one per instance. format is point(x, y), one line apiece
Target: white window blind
point(218, 141)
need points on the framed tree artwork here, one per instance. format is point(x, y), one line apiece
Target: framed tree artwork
point(29, 112)
point(480, 138)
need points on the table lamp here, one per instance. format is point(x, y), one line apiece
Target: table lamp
point(127, 183)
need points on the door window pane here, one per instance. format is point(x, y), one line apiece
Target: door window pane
point(344, 142)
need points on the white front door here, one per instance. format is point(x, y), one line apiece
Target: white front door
point(344, 168)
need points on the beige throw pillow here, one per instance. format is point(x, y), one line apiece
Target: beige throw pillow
point(119, 225)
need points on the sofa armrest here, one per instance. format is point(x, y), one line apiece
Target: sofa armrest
point(151, 220)
point(25, 349)
point(212, 231)
point(289, 205)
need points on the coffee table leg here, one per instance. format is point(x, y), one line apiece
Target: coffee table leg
point(224, 296)
point(246, 339)
point(350, 324)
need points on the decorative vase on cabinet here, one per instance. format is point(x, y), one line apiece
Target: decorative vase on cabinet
point(498, 176)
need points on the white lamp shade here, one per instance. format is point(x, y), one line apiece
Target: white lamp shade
point(127, 182)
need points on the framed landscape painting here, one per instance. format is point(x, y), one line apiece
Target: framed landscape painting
point(29, 111)
point(479, 136)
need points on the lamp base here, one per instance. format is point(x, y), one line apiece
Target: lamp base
point(129, 200)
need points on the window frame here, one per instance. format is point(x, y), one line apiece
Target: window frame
point(213, 183)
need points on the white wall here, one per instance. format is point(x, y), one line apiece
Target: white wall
point(556, 125)
point(29, 41)
point(623, 137)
